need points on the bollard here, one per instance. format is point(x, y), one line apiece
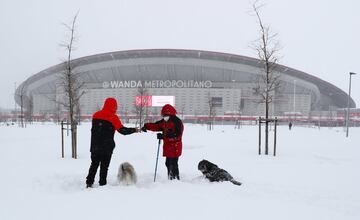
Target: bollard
point(259, 135)
point(62, 139)
point(275, 131)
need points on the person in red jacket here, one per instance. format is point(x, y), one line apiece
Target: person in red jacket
point(172, 129)
point(104, 124)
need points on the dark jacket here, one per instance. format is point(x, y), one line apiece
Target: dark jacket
point(172, 131)
point(104, 124)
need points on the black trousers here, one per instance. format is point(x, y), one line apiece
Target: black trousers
point(98, 159)
point(172, 167)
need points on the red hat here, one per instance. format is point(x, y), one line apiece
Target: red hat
point(168, 110)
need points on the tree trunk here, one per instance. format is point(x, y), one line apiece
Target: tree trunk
point(72, 121)
point(73, 140)
point(267, 129)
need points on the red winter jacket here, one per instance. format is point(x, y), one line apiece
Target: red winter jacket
point(104, 124)
point(172, 130)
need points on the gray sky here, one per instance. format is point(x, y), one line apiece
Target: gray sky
point(319, 37)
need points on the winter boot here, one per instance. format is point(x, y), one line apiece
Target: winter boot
point(102, 182)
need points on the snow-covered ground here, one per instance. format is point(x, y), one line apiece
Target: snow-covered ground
point(314, 176)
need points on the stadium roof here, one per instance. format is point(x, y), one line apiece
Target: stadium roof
point(45, 78)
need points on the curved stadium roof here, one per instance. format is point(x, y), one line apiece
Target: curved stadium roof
point(102, 67)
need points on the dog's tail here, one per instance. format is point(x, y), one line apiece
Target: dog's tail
point(235, 182)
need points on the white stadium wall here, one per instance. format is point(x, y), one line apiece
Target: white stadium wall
point(191, 76)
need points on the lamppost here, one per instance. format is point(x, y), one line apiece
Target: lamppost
point(294, 100)
point(233, 92)
point(348, 105)
point(15, 110)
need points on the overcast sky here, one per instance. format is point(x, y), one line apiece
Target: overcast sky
point(319, 37)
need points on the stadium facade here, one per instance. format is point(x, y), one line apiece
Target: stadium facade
point(193, 77)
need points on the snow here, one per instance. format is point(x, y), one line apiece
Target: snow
point(314, 176)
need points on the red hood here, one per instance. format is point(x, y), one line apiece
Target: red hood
point(110, 105)
point(168, 110)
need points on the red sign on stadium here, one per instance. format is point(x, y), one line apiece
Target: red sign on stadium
point(143, 100)
point(155, 101)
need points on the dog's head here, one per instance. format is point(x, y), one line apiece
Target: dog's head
point(126, 167)
point(205, 166)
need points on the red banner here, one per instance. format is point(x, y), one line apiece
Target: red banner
point(143, 100)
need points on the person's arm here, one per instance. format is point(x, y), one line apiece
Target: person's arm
point(127, 131)
point(153, 126)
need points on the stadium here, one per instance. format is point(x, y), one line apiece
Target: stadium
point(190, 79)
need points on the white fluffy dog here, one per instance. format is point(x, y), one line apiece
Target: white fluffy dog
point(126, 175)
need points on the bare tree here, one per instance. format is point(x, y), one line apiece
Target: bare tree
point(70, 83)
point(267, 48)
point(30, 109)
point(1, 116)
point(196, 116)
point(126, 115)
point(240, 108)
point(78, 113)
point(212, 112)
point(22, 103)
point(57, 112)
point(182, 111)
point(141, 105)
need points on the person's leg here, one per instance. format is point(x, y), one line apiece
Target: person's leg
point(168, 166)
point(176, 168)
point(104, 165)
point(173, 169)
point(95, 160)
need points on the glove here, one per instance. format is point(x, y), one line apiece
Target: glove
point(160, 136)
point(143, 129)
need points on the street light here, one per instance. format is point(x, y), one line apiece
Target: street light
point(348, 105)
point(294, 101)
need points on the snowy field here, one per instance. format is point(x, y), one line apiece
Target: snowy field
point(315, 176)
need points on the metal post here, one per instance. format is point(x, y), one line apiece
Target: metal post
point(259, 135)
point(294, 96)
point(62, 139)
point(15, 110)
point(275, 136)
point(348, 105)
point(67, 128)
point(157, 158)
point(72, 141)
point(75, 140)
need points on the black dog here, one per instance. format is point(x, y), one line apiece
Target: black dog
point(214, 173)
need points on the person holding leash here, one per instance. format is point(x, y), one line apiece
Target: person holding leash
point(171, 128)
point(104, 124)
